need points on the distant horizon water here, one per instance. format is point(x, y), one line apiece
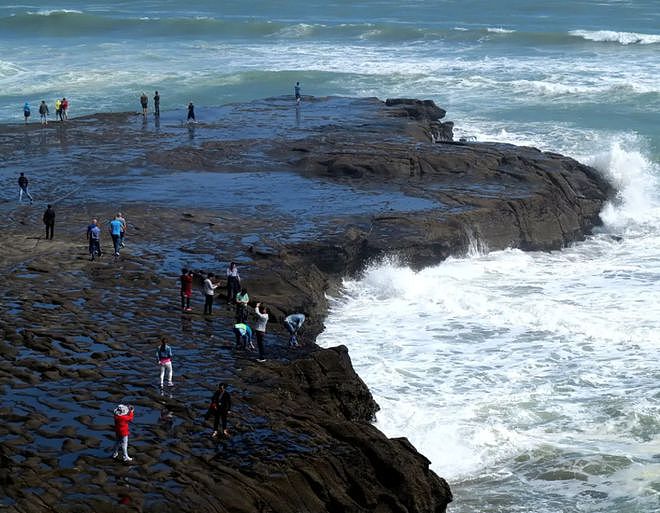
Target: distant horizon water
point(528, 379)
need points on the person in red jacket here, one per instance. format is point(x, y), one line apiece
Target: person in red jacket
point(186, 279)
point(123, 415)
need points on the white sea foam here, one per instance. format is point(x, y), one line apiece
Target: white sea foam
point(499, 30)
point(624, 38)
point(50, 12)
point(525, 367)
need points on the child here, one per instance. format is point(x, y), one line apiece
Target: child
point(123, 415)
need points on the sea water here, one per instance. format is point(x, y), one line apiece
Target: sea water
point(530, 380)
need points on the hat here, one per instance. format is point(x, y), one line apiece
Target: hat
point(121, 409)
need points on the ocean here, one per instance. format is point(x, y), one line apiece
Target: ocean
point(530, 380)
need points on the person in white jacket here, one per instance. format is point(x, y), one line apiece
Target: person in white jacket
point(209, 292)
point(261, 311)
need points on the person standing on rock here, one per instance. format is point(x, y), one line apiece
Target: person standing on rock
point(43, 113)
point(144, 100)
point(94, 239)
point(156, 104)
point(164, 356)
point(58, 109)
point(122, 234)
point(123, 415)
point(115, 232)
point(191, 112)
point(220, 407)
point(49, 221)
point(243, 334)
point(209, 293)
point(233, 282)
point(26, 112)
point(65, 108)
point(242, 300)
point(23, 188)
point(293, 323)
point(261, 311)
point(186, 280)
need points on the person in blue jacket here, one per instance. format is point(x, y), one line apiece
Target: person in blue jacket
point(293, 323)
point(26, 111)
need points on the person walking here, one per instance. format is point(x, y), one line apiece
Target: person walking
point(123, 415)
point(186, 280)
point(23, 188)
point(219, 408)
point(243, 334)
point(122, 233)
point(26, 112)
point(296, 92)
point(209, 293)
point(65, 108)
point(242, 300)
point(293, 323)
point(144, 100)
point(156, 104)
point(261, 311)
point(164, 356)
point(43, 112)
point(233, 282)
point(191, 112)
point(115, 233)
point(94, 239)
point(49, 221)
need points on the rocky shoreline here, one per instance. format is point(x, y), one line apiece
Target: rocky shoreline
point(299, 198)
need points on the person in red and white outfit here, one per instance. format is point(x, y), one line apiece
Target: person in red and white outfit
point(123, 415)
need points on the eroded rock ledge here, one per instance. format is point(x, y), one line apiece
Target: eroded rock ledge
point(300, 198)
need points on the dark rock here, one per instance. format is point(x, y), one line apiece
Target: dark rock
point(421, 110)
point(300, 433)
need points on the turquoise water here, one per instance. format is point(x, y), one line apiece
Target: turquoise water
point(584, 65)
point(530, 380)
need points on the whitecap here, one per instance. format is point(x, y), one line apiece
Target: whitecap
point(611, 36)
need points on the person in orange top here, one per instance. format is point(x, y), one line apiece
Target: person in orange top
point(123, 415)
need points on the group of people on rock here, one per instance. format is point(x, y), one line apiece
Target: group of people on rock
point(117, 229)
point(62, 106)
point(61, 111)
point(221, 403)
point(144, 103)
point(238, 296)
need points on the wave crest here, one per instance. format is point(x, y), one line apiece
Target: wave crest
point(610, 36)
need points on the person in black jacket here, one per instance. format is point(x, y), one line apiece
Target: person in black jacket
point(219, 408)
point(23, 188)
point(49, 221)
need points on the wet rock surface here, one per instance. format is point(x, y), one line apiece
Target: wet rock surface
point(299, 198)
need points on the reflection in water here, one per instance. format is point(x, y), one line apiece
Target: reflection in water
point(298, 115)
point(186, 324)
point(166, 419)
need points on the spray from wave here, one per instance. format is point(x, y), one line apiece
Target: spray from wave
point(525, 374)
